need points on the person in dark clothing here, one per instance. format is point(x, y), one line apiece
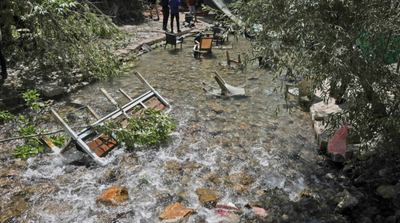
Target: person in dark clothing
point(165, 12)
point(174, 4)
point(4, 73)
point(153, 4)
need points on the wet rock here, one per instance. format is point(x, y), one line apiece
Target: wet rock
point(173, 165)
point(186, 179)
point(391, 219)
point(163, 196)
point(10, 174)
point(111, 176)
point(338, 158)
point(388, 191)
point(113, 196)
point(216, 107)
point(122, 53)
point(245, 127)
point(345, 200)
point(227, 206)
point(50, 90)
point(208, 198)
point(364, 219)
point(5, 182)
point(240, 189)
point(365, 154)
point(176, 213)
point(260, 211)
point(306, 193)
point(207, 177)
point(241, 178)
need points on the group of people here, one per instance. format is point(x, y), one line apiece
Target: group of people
point(171, 6)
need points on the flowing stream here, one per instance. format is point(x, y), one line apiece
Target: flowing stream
point(220, 142)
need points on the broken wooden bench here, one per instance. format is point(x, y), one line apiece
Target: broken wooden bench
point(98, 145)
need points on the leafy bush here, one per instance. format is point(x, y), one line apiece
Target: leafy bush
point(6, 116)
point(147, 127)
point(63, 36)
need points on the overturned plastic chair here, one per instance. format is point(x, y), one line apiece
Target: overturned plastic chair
point(226, 88)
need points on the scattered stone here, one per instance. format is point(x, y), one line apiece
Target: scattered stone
point(365, 154)
point(260, 211)
point(227, 206)
point(306, 193)
point(391, 219)
point(216, 107)
point(9, 173)
point(122, 53)
point(162, 196)
point(388, 191)
point(176, 213)
point(111, 176)
point(364, 219)
point(173, 165)
point(50, 90)
point(207, 197)
point(113, 196)
point(240, 189)
point(345, 200)
point(241, 178)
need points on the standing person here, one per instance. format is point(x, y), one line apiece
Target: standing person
point(4, 73)
point(165, 12)
point(174, 4)
point(192, 8)
point(153, 4)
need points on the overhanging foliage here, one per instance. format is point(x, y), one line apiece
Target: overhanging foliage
point(317, 39)
point(66, 36)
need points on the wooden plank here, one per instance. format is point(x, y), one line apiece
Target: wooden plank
point(160, 107)
point(51, 145)
point(76, 138)
point(125, 94)
point(93, 112)
point(103, 145)
point(154, 103)
point(108, 96)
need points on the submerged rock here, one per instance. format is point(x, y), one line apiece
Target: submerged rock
point(208, 198)
point(240, 189)
point(345, 200)
point(241, 178)
point(176, 213)
point(388, 191)
point(113, 196)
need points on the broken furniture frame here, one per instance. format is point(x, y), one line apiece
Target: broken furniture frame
point(99, 145)
point(172, 39)
point(205, 44)
point(218, 36)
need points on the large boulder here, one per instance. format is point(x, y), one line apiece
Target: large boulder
point(113, 196)
point(176, 213)
point(208, 198)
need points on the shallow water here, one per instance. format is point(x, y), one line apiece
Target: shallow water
point(217, 136)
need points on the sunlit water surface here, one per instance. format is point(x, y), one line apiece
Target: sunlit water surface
point(215, 138)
